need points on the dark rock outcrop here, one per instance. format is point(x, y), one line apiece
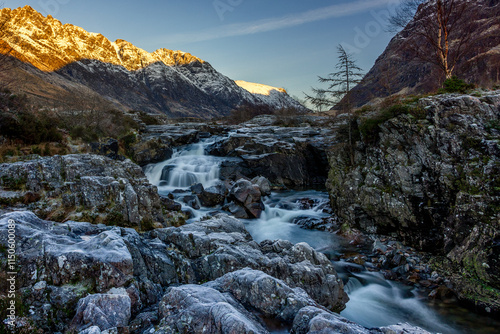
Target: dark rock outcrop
point(291, 157)
point(249, 196)
point(212, 196)
point(109, 149)
point(434, 183)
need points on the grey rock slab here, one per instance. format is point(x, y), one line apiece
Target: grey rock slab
point(103, 310)
point(200, 309)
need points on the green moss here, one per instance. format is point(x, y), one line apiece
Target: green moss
point(114, 218)
point(472, 143)
point(493, 125)
point(147, 225)
point(13, 183)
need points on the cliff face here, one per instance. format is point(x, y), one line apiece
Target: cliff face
point(66, 59)
point(433, 182)
point(398, 71)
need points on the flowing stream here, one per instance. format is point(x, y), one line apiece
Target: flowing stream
point(374, 301)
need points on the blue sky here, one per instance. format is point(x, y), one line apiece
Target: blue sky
point(282, 43)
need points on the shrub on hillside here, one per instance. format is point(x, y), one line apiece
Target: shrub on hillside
point(455, 85)
point(370, 127)
point(90, 126)
point(29, 127)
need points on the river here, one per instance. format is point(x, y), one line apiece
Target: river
point(374, 301)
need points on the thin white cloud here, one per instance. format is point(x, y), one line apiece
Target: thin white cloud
point(293, 20)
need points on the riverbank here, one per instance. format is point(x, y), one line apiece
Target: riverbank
point(126, 257)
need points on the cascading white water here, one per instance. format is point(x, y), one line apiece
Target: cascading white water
point(374, 300)
point(188, 166)
point(281, 209)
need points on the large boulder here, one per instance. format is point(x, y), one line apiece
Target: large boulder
point(249, 196)
point(104, 311)
point(313, 320)
point(221, 245)
point(272, 297)
point(434, 183)
point(65, 253)
point(200, 309)
point(211, 196)
point(84, 187)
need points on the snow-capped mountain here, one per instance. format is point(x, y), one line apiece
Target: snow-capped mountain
point(273, 96)
point(61, 61)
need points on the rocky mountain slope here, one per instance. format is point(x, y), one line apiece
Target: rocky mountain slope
point(433, 182)
point(65, 60)
point(397, 71)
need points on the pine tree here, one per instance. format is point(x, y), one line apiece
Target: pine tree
point(347, 75)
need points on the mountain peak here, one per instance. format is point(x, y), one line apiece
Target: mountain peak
point(49, 45)
point(75, 62)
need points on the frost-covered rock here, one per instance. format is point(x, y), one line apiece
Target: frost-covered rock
point(67, 253)
point(221, 245)
point(403, 329)
point(200, 309)
point(90, 187)
point(264, 293)
point(61, 263)
point(105, 311)
point(312, 320)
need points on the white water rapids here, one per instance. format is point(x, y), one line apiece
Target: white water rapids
point(374, 301)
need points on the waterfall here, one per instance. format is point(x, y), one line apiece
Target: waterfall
point(189, 165)
point(374, 300)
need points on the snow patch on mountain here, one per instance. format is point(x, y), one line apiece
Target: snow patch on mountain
point(256, 88)
point(273, 96)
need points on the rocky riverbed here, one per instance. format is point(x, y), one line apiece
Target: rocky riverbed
point(210, 274)
point(432, 183)
point(98, 250)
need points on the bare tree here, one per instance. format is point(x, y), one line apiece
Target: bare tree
point(403, 15)
point(340, 82)
point(442, 28)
